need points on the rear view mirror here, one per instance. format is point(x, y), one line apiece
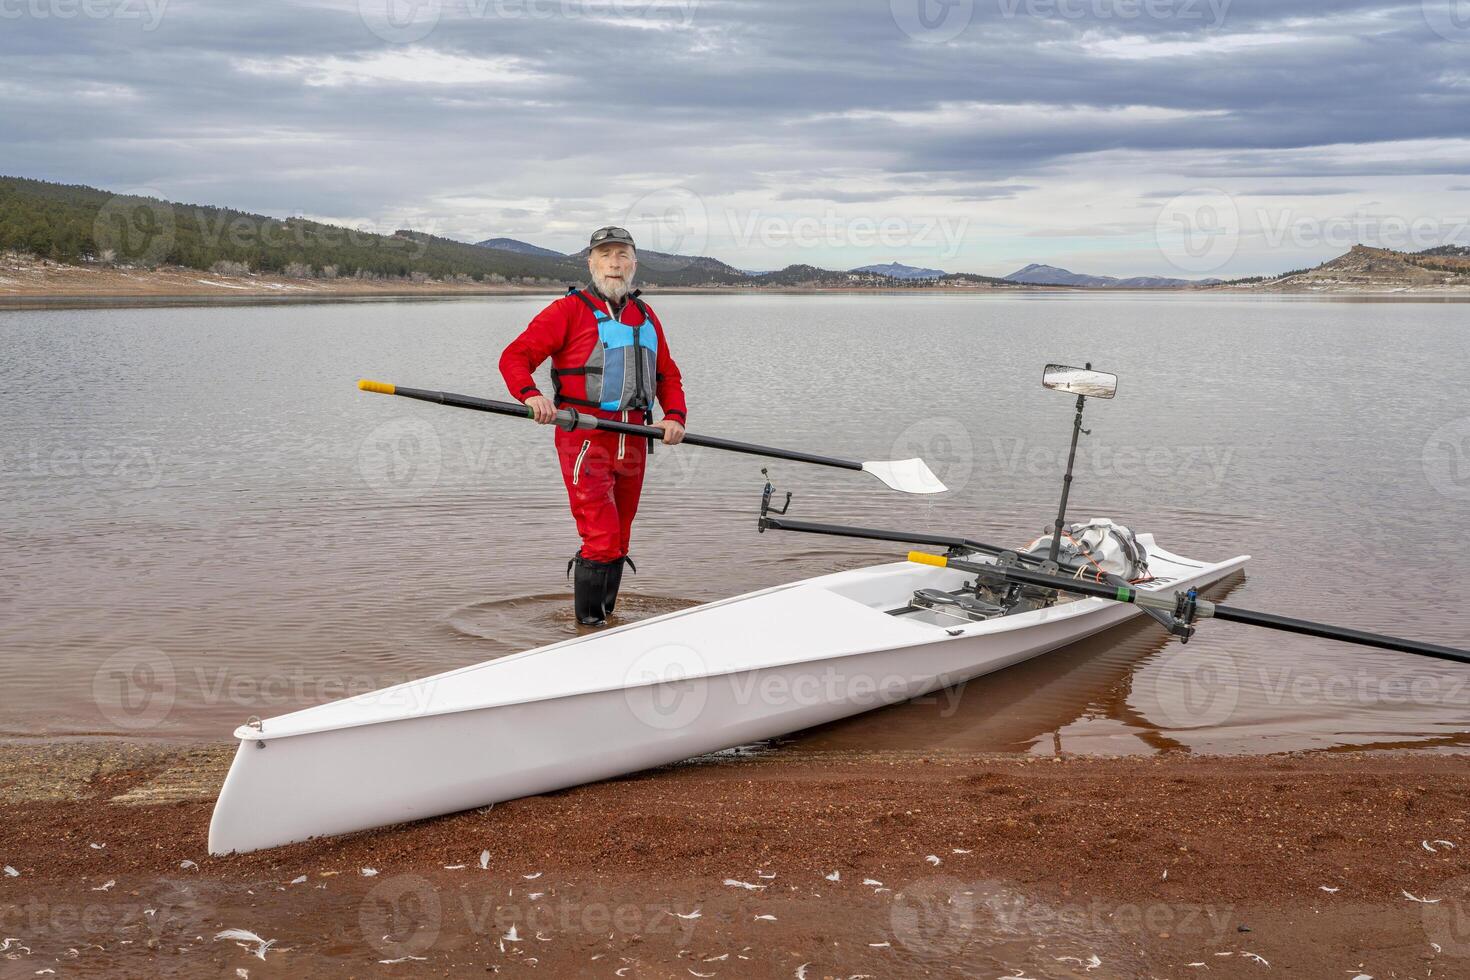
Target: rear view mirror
point(1080, 381)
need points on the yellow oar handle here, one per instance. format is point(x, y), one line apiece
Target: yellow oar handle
point(924, 558)
point(381, 387)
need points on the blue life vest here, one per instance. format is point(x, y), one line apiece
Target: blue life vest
point(621, 370)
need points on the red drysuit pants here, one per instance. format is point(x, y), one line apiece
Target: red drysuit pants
point(603, 472)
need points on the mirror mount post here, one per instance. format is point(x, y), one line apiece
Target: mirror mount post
point(1057, 530)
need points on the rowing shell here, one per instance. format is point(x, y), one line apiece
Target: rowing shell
point(645, 694)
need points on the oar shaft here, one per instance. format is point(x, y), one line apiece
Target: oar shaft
point(582, 420)
point(1361, 637)
point(1204, 609)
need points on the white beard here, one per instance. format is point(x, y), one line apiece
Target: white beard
point(613, 289)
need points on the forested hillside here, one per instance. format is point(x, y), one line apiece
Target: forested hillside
point(74, 224)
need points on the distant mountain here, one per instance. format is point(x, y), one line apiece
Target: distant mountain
point(520, 248)
point(898, 270)
point(1037, 274)
point(1448, 251)
point(1365, 268)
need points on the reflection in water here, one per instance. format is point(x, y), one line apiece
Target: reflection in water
point(511, 625)
point(1075, 699)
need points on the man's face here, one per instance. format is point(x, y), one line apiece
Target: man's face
point(612, 268)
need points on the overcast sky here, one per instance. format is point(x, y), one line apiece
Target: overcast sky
point(1171, 137)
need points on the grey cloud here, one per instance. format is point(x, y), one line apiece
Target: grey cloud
point(751, 97)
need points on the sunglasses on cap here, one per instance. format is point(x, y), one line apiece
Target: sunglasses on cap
point(611, 234)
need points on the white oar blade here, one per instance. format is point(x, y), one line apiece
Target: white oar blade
point(906, 475)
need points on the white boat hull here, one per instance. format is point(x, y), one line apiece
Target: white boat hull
point(642, 695)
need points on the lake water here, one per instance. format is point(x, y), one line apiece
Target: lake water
point(204, 520)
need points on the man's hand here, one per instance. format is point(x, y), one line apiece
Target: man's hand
point(544, 411)
point(673, 432)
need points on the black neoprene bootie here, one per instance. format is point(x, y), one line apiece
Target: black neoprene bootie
point(614, 582)
point(589, 588)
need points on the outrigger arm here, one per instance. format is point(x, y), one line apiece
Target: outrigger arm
point(1177, 613)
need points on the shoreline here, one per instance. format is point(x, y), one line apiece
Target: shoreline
point(27, 284)
point(110, 301)
point(885, 864)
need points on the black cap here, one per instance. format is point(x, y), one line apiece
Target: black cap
point(611, 235)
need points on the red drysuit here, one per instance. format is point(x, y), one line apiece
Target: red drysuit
point(603, 471)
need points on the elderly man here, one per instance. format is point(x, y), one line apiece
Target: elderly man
point(609, 357)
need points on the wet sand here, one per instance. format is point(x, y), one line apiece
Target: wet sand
point(876, 864)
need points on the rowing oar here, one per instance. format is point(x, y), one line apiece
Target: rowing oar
point(1185, 607)
point(906, 475)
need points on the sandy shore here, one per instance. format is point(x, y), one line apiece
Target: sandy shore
point(27, 283)
point(832, 865)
